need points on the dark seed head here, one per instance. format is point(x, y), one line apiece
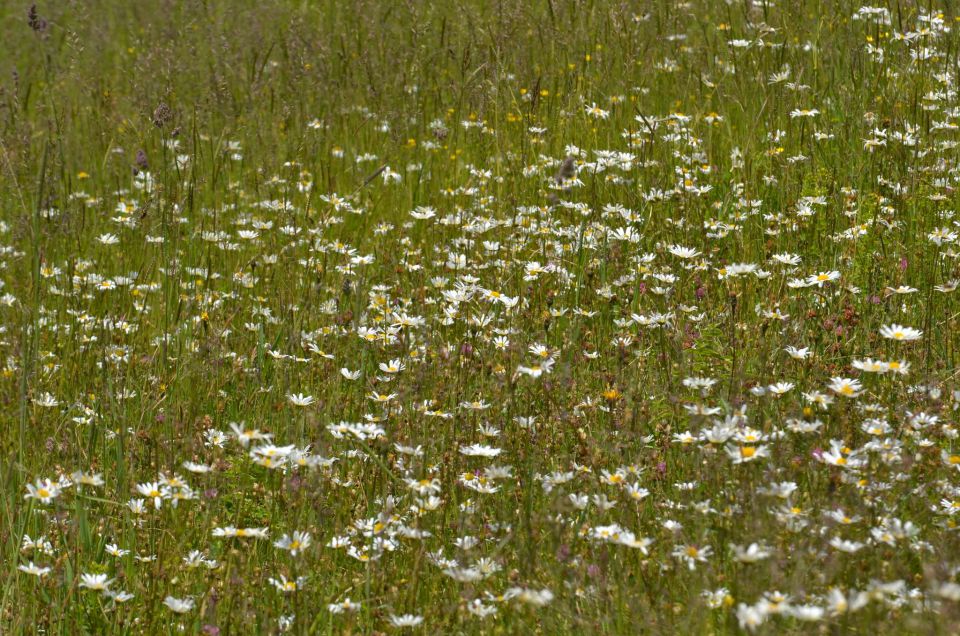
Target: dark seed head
point(35, 22)
point(162, 115)
point(567, 169)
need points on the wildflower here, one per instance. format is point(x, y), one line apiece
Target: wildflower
point(950, 506)
point(744, 454)
point(636, 492)
point(245, 435)
point(179, 605)
point(613, 479)
point(87, 479)
point(750, 617)
point(115, 550)
point(478, 608)
point(899, 332)
point(751, 554)
point(196, 558)
point(841, 456)
point(271, 456)
point(295, 543)
point(43, 490)
point(846, 546)
point(900, 367)
point(95, 582)
point(596, 112)
point(870, 366)
point(394, 366)
point(230, 531)
point(823, 277)
point(118, 596)
point(154, 491)
point(299, 399)
point(798, 353)
point(33, 569)
point(350, 375)
point(287, 586)
point(787, 259)
point(806, 612)
point(820, 399)
point(479, 450)
point(780, 388)
point(691, 554)
point(683, 252)
point(537, 598)
point(136, 506)
point(839, 603)
point(346, 605)
point(405, 620)
point(950, 459)
point(535, 371)
point(847, 387)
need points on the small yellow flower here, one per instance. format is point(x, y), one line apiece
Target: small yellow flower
point(611, 394)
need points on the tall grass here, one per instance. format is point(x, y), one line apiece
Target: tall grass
point(587, 232)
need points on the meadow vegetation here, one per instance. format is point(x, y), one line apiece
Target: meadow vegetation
point(496, 317)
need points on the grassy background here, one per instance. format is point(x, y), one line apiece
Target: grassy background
point(265, 95)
